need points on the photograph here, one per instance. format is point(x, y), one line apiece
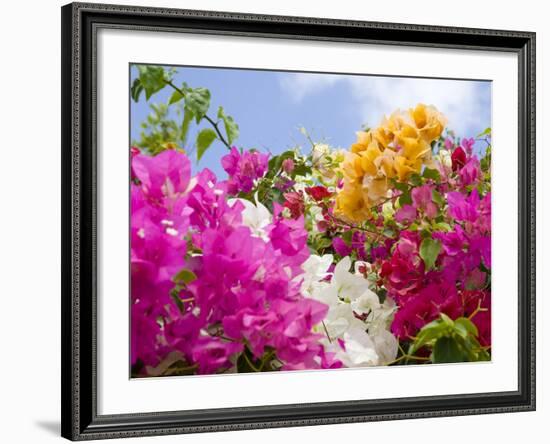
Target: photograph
point(296, 221)
point(274, 222)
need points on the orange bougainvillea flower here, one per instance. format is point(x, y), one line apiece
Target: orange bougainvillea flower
point(429, 121)
point(352, 203)
point(399, 147)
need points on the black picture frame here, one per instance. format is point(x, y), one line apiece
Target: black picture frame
point(80, 22)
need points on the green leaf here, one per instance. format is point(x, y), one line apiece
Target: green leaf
point(415, 179)
point(204, 140)
point(427, 334)
point(231, 128)
point(442, 226)
point(446, 320)
point(486, 131)
point(152, 79)
point(175, 97)
point(301, 169)
point(185, 276)
point(197, 100)
point(184, 129)
point(438, 198)
point(347, 237)
point(486, 160)
point(136, 89)
point(431, 174)
point(465, 327)
point(322, 243)
point(447, 350)
point(483, 355)
point(275, 163)
point(405, 198)
point(429, 250)
point(401, 186)
point(159, 130)
point(452, 341)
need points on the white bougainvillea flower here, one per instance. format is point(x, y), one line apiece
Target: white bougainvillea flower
point(339, 320)
point(381, 317)
point(356, 326)
point(360, 350)
point(368, 302)
point(386, 346)
point(255, 216)
point(348, 285)
point(362, 267)
point(315, 270)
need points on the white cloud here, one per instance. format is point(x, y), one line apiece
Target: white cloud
point(465, 103)
point(299, 85)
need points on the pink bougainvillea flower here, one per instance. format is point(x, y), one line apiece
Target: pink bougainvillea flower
point(423, 201)
point(133, 153)
point(482, 246)
point(212, 354)
point(165, 175)
point(289, 237)
point(381, 252)
point(355, 245)
point(483, 222)
point(453, 242)
point(468, 145)
point(406, 214)
point(288, 166)
point(470, 173)
point(329, 360)
point(463, 208)
point(283, 183)
point(340, 247)
point(243, 169)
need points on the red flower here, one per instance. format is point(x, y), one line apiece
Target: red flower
point(295, 203)
point(459, 158)
point(425, 306)
point(403, 272)
point(318, 192)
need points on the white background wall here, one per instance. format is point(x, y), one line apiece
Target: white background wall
point(30, 220)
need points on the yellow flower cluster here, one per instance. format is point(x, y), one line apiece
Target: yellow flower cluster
point(394, 150)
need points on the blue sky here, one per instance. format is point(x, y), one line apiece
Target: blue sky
point(271, 106)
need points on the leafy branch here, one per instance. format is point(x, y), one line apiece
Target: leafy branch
point(152, 79)
point(205, 116)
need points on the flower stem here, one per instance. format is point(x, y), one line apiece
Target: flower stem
point(407, 357)
point(249, 362)
point(326, 332)
point(477, 310)
point(266, 359)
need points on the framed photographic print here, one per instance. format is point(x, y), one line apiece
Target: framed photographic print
point(278, 221)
